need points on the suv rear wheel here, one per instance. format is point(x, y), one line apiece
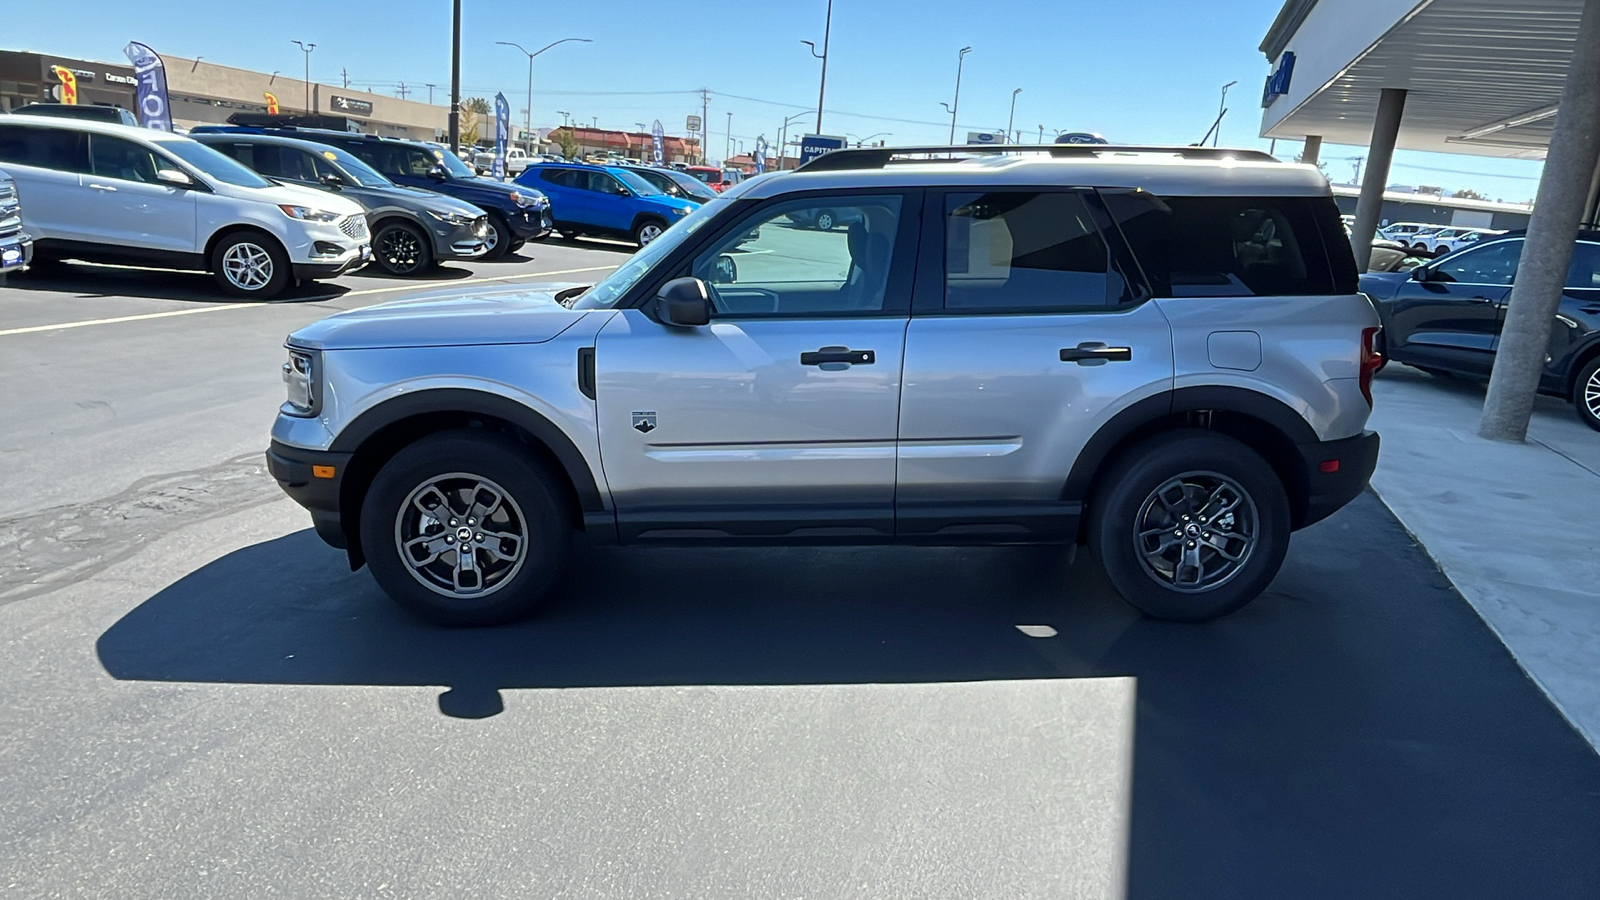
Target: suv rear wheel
point(250, 265)
point(1190, 525)
point(465, 489)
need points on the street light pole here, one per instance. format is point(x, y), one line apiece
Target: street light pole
point(783, 134)
point(527, 125)
point(961, 59)
point(306, 49)
point(1013, 118)
point(827, 35)
point(1221, 108)
point(455, 78)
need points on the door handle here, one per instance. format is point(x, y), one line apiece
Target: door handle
point(1481, 299)
point(102, 187)
point(838, 356)
point(1095, 353)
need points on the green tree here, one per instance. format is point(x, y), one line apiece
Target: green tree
point(474, 112)
point(567, 141)
point(1468, 194)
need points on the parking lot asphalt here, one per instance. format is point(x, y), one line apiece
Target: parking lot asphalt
point(203, 701)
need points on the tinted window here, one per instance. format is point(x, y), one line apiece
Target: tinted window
point(113, 157)
point(781, 268)
point(46, 148)
point(212, 163)
point(1236, 246)
point(1585, 271)
point(1494, 263)
point(1016, 250)
point(560, 177)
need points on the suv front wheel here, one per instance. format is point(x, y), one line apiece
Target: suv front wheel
point(1190, 525)
point(465, 528)
point(251, 265)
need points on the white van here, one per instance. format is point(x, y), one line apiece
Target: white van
point(110, 193)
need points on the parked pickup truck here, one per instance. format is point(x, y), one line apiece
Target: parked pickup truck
point(517, 159)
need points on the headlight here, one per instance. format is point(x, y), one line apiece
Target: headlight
point(680, 211)
point(308, 213)
point(526, 200)
point(300, 376)
point(451, 218)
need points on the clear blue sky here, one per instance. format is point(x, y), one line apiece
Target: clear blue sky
point(1137, 71)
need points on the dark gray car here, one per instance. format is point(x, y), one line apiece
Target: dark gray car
point(412, 229)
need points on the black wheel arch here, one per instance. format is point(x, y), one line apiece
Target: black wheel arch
point(644, 217)
point(1263, 423)
point(376, 435)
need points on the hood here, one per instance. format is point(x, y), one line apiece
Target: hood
point(430, 199)
point(293, 195)
point(520, 314)
point(489, 185)
point(1382, 285)
point(679, 203)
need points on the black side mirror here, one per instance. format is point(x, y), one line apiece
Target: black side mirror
point(684, 302)
point(439, 173)
point(1421, 273)
point(724, 270)
point(331, 181)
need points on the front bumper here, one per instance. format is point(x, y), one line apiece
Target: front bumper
point(16, 251)
point(351, 258)
point(532, 223)
point(1352, 460)
point(461, 241)
point(312, 478)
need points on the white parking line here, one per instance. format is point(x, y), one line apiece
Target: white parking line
point(219, 308)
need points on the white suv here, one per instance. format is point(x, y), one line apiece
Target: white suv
point(109, 193)
point(1159, 353)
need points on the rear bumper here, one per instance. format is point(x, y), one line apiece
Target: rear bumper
point(1353, 461)
point(312, 478)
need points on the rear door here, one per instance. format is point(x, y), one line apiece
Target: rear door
point(778, 418)
point(1025, 337)
point(1449, 317)
point(47, 164)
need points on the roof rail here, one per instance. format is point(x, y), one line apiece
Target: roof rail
point(878, 157)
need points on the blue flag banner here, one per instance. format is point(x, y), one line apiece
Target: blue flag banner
point(658, 143)
point(151, 75)
point(502, 131)
point(761, 154)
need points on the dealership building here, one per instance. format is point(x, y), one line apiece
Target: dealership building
point(204, 93)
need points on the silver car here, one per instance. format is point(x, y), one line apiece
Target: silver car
point(1159, 353)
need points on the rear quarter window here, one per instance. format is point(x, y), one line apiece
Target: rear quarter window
point(1236, 246)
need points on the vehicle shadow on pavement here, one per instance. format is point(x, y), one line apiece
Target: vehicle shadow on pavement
point(116, 282)
point(1358, 731)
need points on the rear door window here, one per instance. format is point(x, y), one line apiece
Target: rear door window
point(1014, 251)
point(46, 148)
point(1494, 264)
point(1235, 246)
point(1584, 273)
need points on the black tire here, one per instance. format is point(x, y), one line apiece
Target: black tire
point(500, 237)
point(1586, 394)
point(401, 248)
point(824, 221)
point(517, 245)
point(1182, 464)
point(251, 264)
point(648, 230)
point(532, 506)
point(1430, 370)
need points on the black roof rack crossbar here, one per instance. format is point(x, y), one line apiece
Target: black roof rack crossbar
point(878, 157)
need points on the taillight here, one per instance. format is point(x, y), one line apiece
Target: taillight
point(1371, 361)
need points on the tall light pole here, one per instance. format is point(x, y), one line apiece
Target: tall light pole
point(1222, 108)
point(566, 117)
point(961, 59)
point(727, 149)
point(455, 77)
point(1013, 118)
point(1041, 134)
point(527, 124)
point(783, 134)
point(306, 49)
point(827, 34)
point(861, 142)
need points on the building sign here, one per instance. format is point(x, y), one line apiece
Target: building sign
point(1278, 82)
point(692, 124)
point(985, 137)
point(351, 105)
point(114, 78)
point(814, 145)
point(1080, 137)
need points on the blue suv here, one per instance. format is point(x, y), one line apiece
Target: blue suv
point(515, 216)
point(605, 200)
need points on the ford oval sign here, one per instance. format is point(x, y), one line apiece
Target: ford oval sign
point(1080, 137)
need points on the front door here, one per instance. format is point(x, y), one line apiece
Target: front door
point(127, 205)
point(1023, 344)
point(1450, 317)
point(778, 419)
point(608, 202)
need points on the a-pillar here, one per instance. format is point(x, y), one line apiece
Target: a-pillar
point(1591, 218)
point(1569, 170)
point(1312, 149)
point(1369, 208)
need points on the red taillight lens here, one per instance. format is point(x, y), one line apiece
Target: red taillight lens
point(1371, 360)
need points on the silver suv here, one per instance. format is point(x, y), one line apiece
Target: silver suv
point(1158, 353)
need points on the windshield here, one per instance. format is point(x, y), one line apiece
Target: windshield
point(363, 174)
point(453, 164)
point(610, 289)
point(691, 186)
point(637, 184)
point(213, 163)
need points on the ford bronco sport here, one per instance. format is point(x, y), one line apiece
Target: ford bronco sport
point(1159, 353)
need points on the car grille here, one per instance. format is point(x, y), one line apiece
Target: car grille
point(354, 227)
point(10, 211)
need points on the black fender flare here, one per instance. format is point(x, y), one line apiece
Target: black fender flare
point(1138, 416)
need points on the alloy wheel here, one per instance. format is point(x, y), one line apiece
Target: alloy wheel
point(400, 251)
point(461, 535)
point(247, 266)
point(1591, 394)
point(648, 232)
point(1196, 532)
